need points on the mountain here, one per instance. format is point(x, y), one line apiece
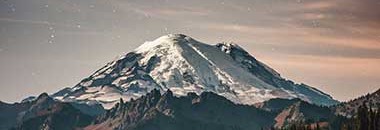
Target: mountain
point(44, 112)
point(207, 111)
point(155, 110)
point(290, 112)
point(165, 111)
point(182, 64)
point(304, 112)
point(276, 105)
point(349, 108)
point(9, 113)
point(362, 113)
point(210, 111)
point(176, 82)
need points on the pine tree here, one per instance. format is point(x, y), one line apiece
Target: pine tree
point(377, 120)
point(317, 126)
point(371, 118)
point(363, 117)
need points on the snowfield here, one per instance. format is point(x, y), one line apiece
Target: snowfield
point(182, 64)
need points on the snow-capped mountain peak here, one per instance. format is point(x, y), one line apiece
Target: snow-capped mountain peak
point(166, 40)
point(183, 64)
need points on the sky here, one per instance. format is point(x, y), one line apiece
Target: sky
point(333, 45)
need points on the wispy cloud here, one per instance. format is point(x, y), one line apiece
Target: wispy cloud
point(26, 21)
point(334, 74)
point(171, 13)
point(23, 21)
point(318, 5)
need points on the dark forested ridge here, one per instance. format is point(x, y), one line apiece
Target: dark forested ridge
point(351, 107)
point(208, 111)
point(366, 118)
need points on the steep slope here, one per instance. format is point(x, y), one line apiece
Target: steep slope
point(47, 114)
point(276, 105)
point(351, 107)
point(293, 112)
point(182, 64)
point(10, 112)
point(44, 112)
point(192, 112)
point(270, 76)
point(303, 112)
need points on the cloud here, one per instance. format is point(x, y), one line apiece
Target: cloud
point(312, 16)
point(22, 21)
point(170, 12)
point(342, 77)
point(301, 41)
point(366, 65)
point(180, 12)
point(26, 21)
point(318, 5)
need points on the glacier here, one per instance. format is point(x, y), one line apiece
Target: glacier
point(183, 64)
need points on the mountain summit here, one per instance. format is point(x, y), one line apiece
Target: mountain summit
point(183, 64)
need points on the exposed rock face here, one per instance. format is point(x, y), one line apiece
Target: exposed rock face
point(296, 111)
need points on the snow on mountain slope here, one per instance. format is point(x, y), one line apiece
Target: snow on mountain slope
point(182, 64)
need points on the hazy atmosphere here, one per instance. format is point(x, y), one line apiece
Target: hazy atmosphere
point(333, 45)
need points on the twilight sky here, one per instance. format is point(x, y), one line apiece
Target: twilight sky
point(333, 45)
